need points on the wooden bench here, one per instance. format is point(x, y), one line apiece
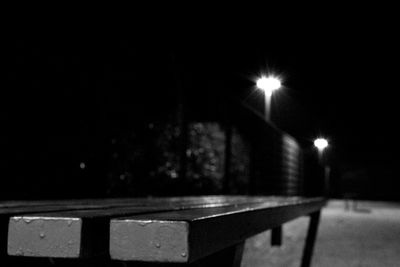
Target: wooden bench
point(206, 230)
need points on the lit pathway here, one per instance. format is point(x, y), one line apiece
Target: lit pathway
point(367, 237)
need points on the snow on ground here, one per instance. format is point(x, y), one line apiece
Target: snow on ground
point(368, 235)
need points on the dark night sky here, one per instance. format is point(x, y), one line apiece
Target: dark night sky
point(339, 73)
point(339, 77)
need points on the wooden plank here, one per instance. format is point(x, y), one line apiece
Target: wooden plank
point(6, 212)
point(60, 202)
point(188, 235)
point(6, 205)
point(27, 207)
point(84, 233)
point(24, 207)
point(17, 207)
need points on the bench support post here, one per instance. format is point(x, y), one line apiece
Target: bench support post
point(310, 239)
point(276, 236)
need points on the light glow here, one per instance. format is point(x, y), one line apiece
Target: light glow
point(321, 143)
point(268, 84)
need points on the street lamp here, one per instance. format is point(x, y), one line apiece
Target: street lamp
point(321, 144)
point(268, 85)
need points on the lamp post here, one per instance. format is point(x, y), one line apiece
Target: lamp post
point(321, 144)
point(268, 85)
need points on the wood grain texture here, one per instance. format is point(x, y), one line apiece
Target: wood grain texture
point(35, 236)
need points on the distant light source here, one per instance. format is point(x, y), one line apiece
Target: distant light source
point(321, 143)
point(268, 84)
point(82, 165)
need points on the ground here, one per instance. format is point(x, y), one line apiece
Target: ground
point(368, 235)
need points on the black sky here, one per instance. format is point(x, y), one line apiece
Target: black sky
point(340, 80)
point(339, 73)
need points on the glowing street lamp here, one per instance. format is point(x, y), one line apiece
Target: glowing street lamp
point(268, 85)
point(321, 144)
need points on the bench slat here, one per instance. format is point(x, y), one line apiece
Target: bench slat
point(12, 208)
point(188, 235)
point(8, 207)
point(84, 233)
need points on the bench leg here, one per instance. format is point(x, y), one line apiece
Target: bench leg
point(276, 236)
point(310, 239)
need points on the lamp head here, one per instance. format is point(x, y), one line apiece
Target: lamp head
point(268, 84)
point(321, 143)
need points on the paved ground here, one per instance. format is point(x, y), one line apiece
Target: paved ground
point(367, 236)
